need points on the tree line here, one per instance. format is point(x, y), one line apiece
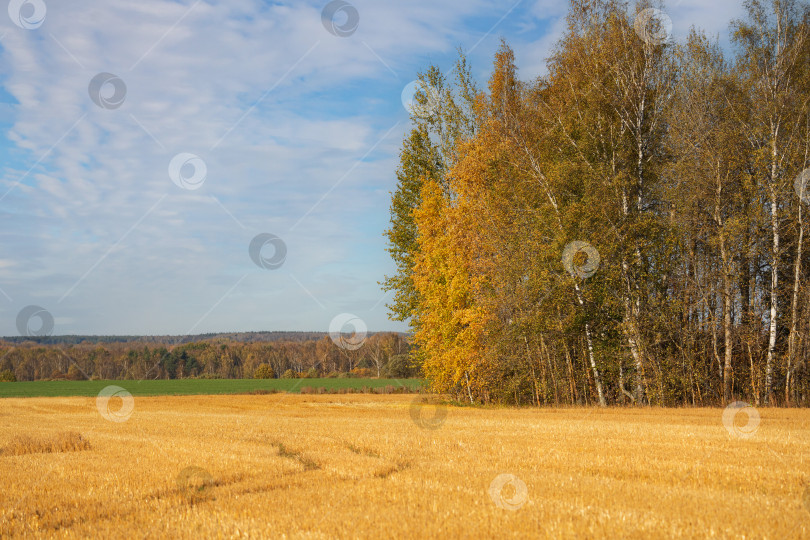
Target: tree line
point(627, 228)
point(74, 339)
point(383, 354)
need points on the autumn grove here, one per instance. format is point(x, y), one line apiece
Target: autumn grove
point(628, 228)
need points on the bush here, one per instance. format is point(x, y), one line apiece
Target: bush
point(312, 373)
point(264, 371)
point(7, 376)
point(289, 374)
point(363, 373)
point(400, 366)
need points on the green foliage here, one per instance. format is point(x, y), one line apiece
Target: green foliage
point(7, 376)
point(426, 153)
point(419, 159)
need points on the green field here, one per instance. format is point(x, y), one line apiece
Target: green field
point(192, 386)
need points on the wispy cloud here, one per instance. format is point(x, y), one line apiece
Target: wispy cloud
point(294, 126)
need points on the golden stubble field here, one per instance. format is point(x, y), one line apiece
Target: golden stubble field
point(326, 466)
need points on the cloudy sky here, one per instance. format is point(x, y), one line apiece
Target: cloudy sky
point(146, 143)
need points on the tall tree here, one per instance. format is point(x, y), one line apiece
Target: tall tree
point(773, 49)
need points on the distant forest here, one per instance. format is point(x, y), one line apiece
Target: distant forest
point(241, 337)
point(228, 356)
point(627, 228)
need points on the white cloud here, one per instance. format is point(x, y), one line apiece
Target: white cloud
point(264, 95)
point(279, 109)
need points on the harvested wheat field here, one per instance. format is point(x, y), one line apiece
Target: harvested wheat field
point(326, 466)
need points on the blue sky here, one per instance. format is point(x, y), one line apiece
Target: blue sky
point(299, 131)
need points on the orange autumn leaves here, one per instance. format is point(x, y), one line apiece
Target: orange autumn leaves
point(455, 268)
